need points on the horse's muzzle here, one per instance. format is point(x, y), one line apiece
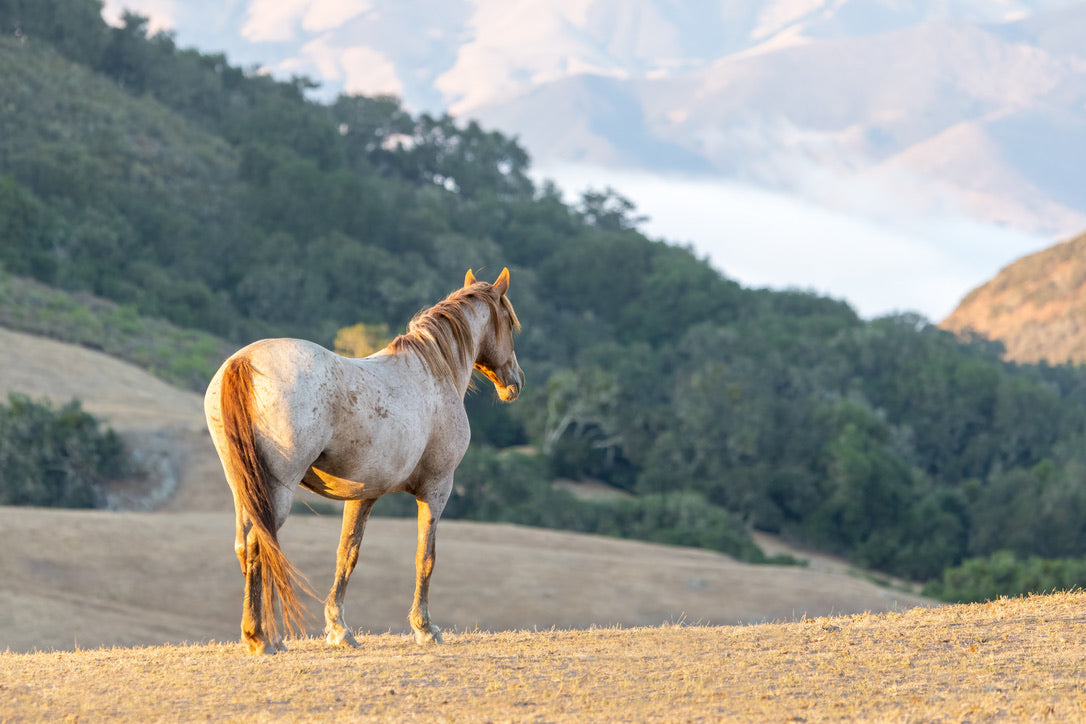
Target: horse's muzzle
point(510, 390)
point(507, 384)
point(508, 393)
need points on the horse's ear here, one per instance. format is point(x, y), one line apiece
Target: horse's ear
point(502, 285)
point(469, 278)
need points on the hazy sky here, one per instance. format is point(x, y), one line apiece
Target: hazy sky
point(873, 253)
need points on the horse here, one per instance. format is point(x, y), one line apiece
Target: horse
point(287, 412)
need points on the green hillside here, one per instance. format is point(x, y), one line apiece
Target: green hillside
point(186, 189)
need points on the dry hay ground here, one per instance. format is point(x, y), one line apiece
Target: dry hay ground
point(87, 579)
point(1017, 659)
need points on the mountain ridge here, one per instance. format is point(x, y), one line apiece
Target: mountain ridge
point(1036, 306)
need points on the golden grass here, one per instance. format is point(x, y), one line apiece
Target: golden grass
point(1014, 659)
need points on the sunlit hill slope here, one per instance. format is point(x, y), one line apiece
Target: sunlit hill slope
point(1036, 306)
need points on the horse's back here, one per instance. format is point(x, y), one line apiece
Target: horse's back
point(284, 369)
point(295, 385)
point(375, 419)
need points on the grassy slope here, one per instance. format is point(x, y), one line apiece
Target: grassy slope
point(87, 579)
point(183, 357)
point(1014, 659)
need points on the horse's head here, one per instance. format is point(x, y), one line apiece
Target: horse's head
point(496, 359)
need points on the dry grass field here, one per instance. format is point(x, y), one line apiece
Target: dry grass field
point(1008, 660)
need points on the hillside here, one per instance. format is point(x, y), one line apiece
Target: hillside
point(1036, 306)
point(162, 425)
point(78, 579)
point(1013, 660)
point(85, 579)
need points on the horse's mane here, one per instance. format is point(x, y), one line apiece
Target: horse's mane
point(441, 337)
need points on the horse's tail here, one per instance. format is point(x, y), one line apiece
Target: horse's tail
point(252, 486)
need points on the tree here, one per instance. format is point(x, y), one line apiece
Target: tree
point(55, 457)
point(362, 340)
point(608, 210)
point(74, 27)
point(582, 432)
point(468, 161)
point(867, 489)
point(677, 292)
point(24, 225)
point(129, 57)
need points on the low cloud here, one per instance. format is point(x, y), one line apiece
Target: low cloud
point(273, 20)
point(359, 70)
point(161, 14)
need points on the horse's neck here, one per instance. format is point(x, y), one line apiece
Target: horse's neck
point(478, 317)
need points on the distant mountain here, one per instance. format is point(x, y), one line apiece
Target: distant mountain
point(1036, 306)
point(975, 107)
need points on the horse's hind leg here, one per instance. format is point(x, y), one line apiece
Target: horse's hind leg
point(355, 515)
point(425, 556)
point(240, 529)
point(253, 633)
point(252, 629)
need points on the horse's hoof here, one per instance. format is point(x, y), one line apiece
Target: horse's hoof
point(341, 637)
point(257, 646)
point(430, 635)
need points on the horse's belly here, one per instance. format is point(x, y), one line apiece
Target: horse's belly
point(366, 487)
point(337, 488)
point(368, 465)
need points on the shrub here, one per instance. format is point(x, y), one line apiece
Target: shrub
point(1004, 574)
point(55, 457)
point(510, 487)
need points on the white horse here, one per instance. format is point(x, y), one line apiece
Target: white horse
point(286, 412)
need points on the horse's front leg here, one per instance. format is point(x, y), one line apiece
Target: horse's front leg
point(355, 515)
point(425, 630)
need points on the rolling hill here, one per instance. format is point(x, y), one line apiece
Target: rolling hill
point(1036, 306)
